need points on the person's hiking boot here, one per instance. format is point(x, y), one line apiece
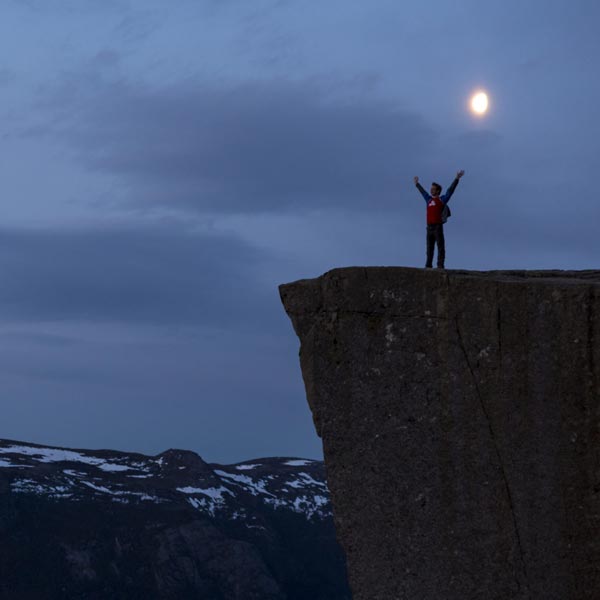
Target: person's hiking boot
point(441, 267)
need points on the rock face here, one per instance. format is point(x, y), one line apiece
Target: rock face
point(459, 413)
point(106, 525)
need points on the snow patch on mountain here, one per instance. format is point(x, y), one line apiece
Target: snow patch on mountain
point(254, 487)
point(29, 486)
point(209, 505)
point(72, 473)
point(49, 455)
point(214, 493)
point(113, 467)
point(308, 505)
point(305, 481)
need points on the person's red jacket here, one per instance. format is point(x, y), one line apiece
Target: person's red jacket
point(434, 210)
point(437, 203)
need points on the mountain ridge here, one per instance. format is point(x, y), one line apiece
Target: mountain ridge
point(260, 528)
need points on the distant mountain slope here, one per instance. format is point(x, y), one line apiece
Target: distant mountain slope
point(106, 524)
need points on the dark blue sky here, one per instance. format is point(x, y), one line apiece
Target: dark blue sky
point(164, 166)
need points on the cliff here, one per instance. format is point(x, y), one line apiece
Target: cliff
point(459, 417)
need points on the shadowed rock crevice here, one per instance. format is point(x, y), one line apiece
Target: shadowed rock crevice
point(459, 417)
point(498, 455)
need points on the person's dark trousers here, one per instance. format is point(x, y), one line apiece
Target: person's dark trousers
point(435, 235)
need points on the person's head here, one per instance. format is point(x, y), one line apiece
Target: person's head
point(436, 189)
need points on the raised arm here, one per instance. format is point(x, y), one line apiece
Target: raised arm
point(446, 197)
point(421, 189)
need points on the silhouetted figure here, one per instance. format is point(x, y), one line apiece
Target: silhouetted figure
point(435, 218)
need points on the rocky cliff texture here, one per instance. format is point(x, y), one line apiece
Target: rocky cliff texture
point(105, 525)
point(459, 413)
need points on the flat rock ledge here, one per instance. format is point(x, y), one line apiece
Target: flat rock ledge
point(459, 413)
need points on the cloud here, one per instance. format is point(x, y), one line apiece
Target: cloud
point(479, 140)
point(271, 146)
point(71, 6)
point(106, 58)
point(154, 275)
point(7, 76)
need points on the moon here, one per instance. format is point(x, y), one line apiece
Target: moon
point(480, 103)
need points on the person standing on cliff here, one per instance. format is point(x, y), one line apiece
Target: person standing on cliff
point(435, 221)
